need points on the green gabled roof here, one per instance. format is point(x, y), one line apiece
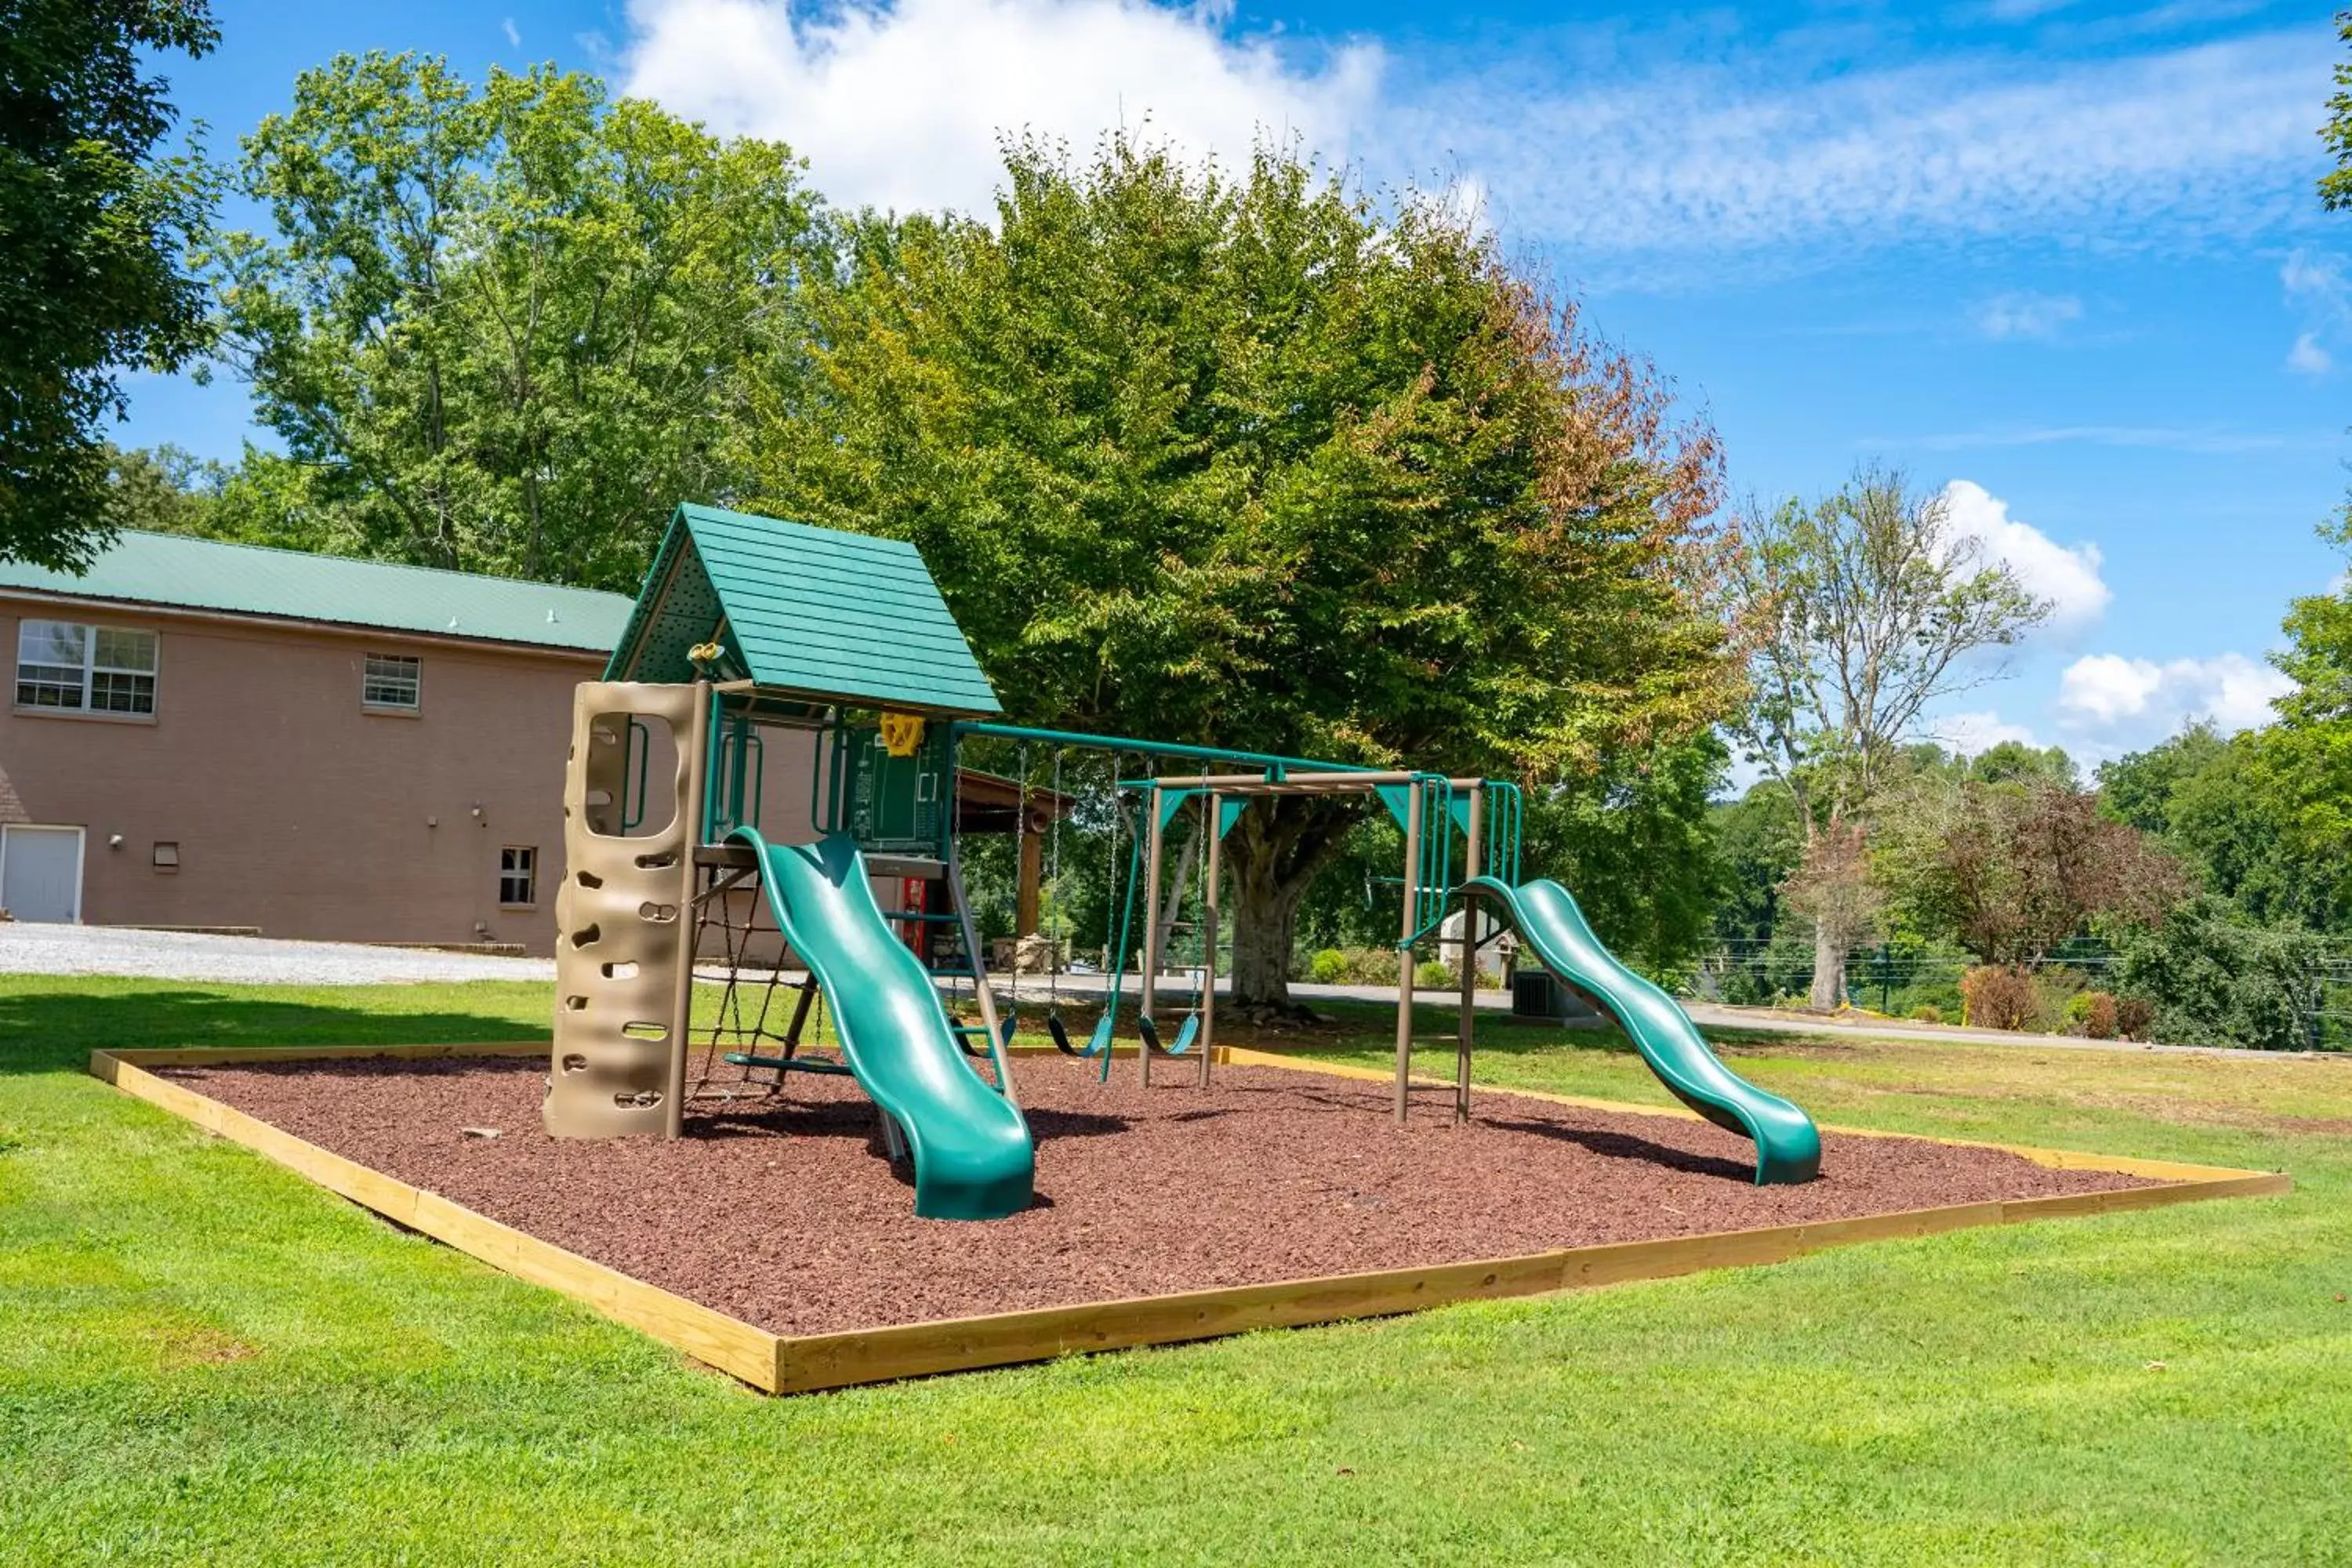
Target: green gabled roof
point(802, 612)
point(173, 572)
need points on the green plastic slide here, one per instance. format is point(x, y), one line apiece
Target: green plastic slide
point(974, 1158)
point(1787, 1147)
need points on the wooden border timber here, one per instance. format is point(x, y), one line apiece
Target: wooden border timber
point(782, 1364)
point(703, 1332)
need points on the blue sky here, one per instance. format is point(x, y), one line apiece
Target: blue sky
point(2061, 256)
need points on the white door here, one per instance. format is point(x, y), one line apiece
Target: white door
point(40, 872)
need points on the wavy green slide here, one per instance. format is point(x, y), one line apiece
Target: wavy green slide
point(1787, 1147)
point(973, 1157)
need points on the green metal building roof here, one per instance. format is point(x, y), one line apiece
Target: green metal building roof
point(177, 573)
point(802, 612)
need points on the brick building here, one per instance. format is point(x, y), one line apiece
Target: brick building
point(217, 735)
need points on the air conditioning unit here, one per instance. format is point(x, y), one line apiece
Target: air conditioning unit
point(1540, 994)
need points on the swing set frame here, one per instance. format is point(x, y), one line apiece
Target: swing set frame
point(1432, 808)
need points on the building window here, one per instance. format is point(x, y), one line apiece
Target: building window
point(518, 875)
point(78, 668)
point(392, 680)
point(165, 856)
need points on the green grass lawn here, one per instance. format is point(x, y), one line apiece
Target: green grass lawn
point(204, 1358)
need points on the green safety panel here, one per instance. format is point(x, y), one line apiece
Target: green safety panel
point(898, 805)
point(1229, 810)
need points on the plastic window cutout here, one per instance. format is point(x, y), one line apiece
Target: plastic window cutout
point(622, 971)
point(642, 807)
point(638, 1029)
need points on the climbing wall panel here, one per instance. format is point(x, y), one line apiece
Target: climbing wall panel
point(624, 976)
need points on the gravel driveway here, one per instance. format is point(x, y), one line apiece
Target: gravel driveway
point(29, 949)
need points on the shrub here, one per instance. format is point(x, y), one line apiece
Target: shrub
point(1927, 1013)
point(1433, 975)
point(2135, 1015)
point(2091, 1013)
point(2055, 991)
point(1998, 998)
point(2100, 1024)
point(1328, 967)
point(2215, 979)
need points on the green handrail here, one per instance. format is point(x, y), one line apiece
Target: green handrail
point(711, 756)
point(1433, 870)
point(630, 819)
point(1506, 808)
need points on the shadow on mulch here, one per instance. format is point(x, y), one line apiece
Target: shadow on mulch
point(1627, 1146)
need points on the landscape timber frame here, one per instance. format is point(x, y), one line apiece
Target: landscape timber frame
point(790, 1363)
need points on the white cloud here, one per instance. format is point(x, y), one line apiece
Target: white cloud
point(1777, 157)
point(901, 105)
point(2107, 695)
point(2308, 274)
point(1774, 149)
point(2027, 315)
point(2066, 575)
point(2209, 441)
point(2316, 288)
point(1971, 734)
point(514, 34)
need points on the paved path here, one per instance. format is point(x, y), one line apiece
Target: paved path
point(1034, 991)
point(32, 949)
point(29, 949)
point(1937, 1034)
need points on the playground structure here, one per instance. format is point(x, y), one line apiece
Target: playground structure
point(1287, 1215)
point(752, 635)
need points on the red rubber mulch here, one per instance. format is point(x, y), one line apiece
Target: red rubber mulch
point(782, 1213)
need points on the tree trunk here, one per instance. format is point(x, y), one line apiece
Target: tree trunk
point(1829, 966)
point(1275, 851)
point(1178, 881)
point(1833, 887)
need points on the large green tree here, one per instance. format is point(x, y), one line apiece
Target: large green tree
point(2230, 809)
point(164, 489)
point(93, 227)
point(2014, 867)
point(1637, 840)
point(2294, 780)
point(1862, 608)
point(505, 328)
point(1246, 459)
point(2336, 185)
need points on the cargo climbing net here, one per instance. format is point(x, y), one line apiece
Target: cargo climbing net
point(755, 1039)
